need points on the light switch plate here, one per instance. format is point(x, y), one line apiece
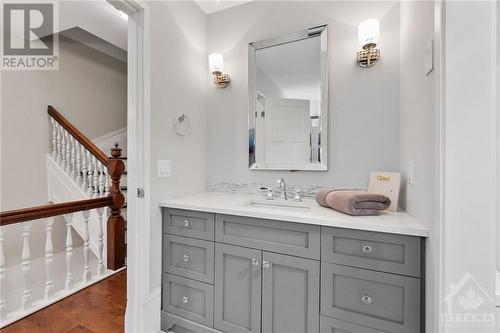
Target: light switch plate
point(429, 58)
point(164, 168)
point(411, 172)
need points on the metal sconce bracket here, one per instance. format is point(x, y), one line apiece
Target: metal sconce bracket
point(221, 80)
point(368, 56)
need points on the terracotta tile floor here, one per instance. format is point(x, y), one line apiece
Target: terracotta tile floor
point(98, 308)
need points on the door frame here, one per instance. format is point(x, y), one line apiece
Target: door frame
point(139, 296)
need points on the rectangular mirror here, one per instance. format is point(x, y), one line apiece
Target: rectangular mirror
point(288, 96)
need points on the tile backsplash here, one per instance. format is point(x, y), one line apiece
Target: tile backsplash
point(254, 189)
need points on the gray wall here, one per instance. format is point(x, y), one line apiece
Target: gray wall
point(417, 131)
point(179, 68)
point(364, 103)
point(417, 109)
point(90, 89)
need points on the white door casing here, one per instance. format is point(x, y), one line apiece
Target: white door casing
point(143, 305)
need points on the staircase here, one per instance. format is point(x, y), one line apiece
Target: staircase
point(82, 177)
point(86, 204)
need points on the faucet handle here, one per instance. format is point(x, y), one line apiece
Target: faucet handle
point(297, 197)
point(269, 195)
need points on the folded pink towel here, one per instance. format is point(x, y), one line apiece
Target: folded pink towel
point(353, 202)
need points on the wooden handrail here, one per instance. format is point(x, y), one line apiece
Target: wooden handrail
point(86, 142)
point(40, 212)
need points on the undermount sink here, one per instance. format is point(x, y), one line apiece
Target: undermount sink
point(278, 203)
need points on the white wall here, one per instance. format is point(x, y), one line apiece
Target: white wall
point(90, 89)
point(417, 128)
point(364, 103)
point(179, 70)
point(470, 143)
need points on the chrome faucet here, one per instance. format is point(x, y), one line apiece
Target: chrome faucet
point(280, 182)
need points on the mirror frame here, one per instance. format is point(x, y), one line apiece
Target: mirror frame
point(322, 32)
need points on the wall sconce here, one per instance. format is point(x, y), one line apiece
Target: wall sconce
point(216, 65)
point(368, 34)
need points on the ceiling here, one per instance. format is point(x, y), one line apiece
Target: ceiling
point(212, 6)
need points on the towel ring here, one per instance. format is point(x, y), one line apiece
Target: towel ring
point(182, 124)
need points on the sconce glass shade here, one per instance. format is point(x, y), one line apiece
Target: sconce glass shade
point(369, 32)
point(215, 62)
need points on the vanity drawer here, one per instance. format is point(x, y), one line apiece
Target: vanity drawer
point(296, 239)
point(174, 324)
point(188, 223)
point(188, 257)
point(330, 325)
point(188, 299)
point(372, 250)
point(386, 302)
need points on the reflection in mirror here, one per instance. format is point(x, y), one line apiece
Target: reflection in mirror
point(288, 113)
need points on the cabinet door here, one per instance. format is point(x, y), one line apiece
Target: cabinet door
point(290, 294)
point(237, 289)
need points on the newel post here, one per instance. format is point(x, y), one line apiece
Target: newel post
point(116, 222)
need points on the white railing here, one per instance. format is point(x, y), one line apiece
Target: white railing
point(78, 163)
point(74, 252)
point(51, 276)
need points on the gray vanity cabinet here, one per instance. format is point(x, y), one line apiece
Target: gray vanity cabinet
point(237, 306)
point(290, 294)
point(234, 274)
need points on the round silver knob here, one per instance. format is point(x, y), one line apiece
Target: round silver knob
point(265, 264)
point(366, 299)
point(186, 257)
point(187, 224)
point(255, 262)
point(367, 249)
point(185, 299)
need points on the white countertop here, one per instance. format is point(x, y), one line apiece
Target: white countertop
point(238, 204)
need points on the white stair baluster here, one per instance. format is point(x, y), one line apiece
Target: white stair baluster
point(78, 164)
point(49, 254)
point(26, 266)
point(67, 168)
point(106, 182)
point(3, 307)
point(69, 251)
point(100, 242)
point(86, 248)
point(84, 169)
point(73, 158)
point(58, 144)
point(101, 179)
point(63, 148)
point(96, 177)
point(90, 192)
point(54, 138)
